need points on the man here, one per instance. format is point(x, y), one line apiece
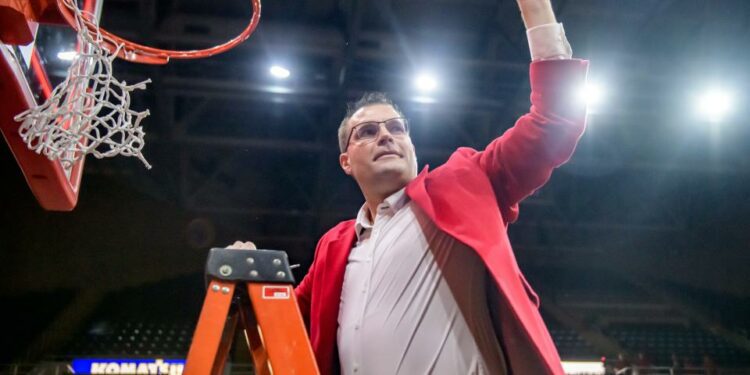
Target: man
point(424, 279)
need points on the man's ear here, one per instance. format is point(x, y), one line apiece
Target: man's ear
point(344, 162)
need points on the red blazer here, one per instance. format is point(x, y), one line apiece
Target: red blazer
point(473, 197)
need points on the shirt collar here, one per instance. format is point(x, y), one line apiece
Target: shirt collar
point(389, 206)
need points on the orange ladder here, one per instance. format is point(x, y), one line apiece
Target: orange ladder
point(252, 288)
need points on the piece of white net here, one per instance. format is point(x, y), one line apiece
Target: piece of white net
point(89, 112)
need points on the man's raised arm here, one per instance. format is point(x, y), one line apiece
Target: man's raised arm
point(522, 159)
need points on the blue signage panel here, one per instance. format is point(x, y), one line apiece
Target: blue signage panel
point(128, 366)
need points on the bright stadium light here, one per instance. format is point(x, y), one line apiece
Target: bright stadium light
point(592, 94)
point(715, 104)
point(280, 72)
point(66, 55)
point(425, 82)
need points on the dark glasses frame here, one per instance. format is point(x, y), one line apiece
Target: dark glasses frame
point(354, 128)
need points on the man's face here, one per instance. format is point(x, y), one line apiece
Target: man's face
point(386, 162)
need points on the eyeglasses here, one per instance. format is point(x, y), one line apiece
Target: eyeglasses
point(368, 131)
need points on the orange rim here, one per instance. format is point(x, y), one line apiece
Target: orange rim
point(135, 52)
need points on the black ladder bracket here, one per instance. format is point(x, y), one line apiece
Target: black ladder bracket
point(249, 265)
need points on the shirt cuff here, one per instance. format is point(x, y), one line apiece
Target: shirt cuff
point(548, 42)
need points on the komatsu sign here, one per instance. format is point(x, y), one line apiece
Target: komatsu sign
point(128, 366)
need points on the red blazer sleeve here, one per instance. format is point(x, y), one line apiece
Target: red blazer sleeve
point(522, 159)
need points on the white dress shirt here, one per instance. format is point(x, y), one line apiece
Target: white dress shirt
point(548, 42)
point(413, 299)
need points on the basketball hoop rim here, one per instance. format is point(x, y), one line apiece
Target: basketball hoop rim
point(139, 53)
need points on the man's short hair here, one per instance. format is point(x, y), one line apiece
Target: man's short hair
point(367, 99)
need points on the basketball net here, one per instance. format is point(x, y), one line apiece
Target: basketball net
point(89, 112)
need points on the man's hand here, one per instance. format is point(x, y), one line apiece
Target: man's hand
point(247, 245)
point(536, 12)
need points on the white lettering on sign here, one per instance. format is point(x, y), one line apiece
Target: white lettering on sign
point(156, 367)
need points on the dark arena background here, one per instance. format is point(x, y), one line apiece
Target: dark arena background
point(639, 247)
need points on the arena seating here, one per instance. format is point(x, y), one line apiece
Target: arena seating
point(632, 317)
point(25, 319)
point(660, 341)
point(571, 345)
point(134, 338)
point(158, 320)
point(150, 320)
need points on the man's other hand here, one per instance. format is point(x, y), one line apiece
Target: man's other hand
point(247, 245)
